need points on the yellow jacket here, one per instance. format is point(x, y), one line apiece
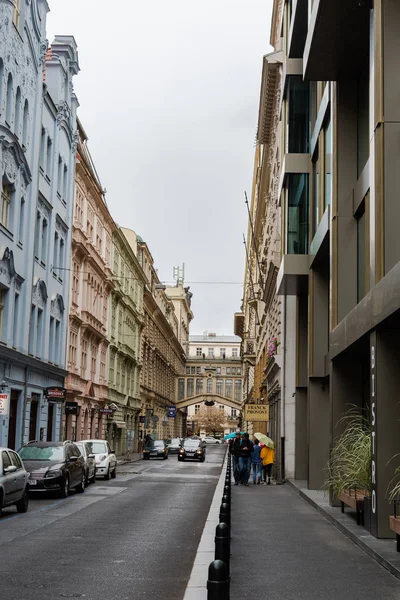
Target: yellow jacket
point(267, 455)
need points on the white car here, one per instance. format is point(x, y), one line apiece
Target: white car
point(211, 440)
point(106, 461)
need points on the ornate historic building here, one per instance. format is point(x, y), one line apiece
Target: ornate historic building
point(126, 325)
point(92, 282)
point(163, 353)
point(37, 160)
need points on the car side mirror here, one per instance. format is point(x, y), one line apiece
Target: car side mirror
point(73, 458)
point(92, 456)
point(10, 469)
point(112, 452)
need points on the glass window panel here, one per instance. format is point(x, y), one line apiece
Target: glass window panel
point(298, 115)
point(361, 266)
point(328, 164)
point(297, 217)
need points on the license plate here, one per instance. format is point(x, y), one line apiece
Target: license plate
point(32, 481)
point(153, 453)
point(190, 453)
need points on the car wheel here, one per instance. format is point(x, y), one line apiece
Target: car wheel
point(114, 473)
point(93, 477)
point(107, 475)
point(65, 489)
point(81, 487)
point(22, 505)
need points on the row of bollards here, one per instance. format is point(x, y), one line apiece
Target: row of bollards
point(218, 571)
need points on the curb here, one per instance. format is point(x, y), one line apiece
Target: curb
point(368, 549)
point(196, 588)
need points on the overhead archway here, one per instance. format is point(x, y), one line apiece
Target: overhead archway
point(208, 398)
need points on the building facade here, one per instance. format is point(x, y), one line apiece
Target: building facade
point(126, 325)
point(162, 355)
point(213, 375)
point(91, 285)
point(37, 125)
point(340, 250)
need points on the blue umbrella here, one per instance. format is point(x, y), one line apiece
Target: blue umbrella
point(228, 436)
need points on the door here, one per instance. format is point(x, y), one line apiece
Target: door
point(20, 474)
point(33, 419)
point(9, 480)
point(12, 421)
point(50, 416)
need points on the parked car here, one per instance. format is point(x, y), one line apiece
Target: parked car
point(174, 445)
point(90, 462)
point(193, 449)
point(156, 449)
point(209, 439)
point(106, 461)
point(54, 466)
point(13, 481)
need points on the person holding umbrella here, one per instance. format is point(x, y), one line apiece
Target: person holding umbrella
point(234, 451)
point(267, 456)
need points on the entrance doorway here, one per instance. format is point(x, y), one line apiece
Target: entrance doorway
point(50, 416)
point(12, 421)
point(33, 417)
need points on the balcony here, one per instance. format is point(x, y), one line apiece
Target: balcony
point(249, 351)
point(238, 324)
point(293, 273)
point(298, 28)
point(337, 40)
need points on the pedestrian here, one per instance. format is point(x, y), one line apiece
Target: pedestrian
point(246, 448)
point(234, 451)
point(256, 462)
point(267, 458)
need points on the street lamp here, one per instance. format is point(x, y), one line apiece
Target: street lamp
point(3, 387)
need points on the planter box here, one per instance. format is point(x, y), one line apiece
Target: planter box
point(355, 500)
point(394, 524)
point(367, 513)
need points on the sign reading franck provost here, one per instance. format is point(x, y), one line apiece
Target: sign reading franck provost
point(256, 412)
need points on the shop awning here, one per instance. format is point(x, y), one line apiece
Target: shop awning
point(120, 424)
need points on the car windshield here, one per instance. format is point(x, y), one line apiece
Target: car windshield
point(175, 442)
point(81, 448)
point(159, 444)
point(98, 447)
point(39, 453)
point(191, 443)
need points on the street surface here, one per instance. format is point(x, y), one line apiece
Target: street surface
point(125, 539)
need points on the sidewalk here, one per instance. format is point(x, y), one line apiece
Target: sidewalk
point(128, 458)
point(282, 548)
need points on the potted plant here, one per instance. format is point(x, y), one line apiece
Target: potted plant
point(349, 466)
point(394, 497)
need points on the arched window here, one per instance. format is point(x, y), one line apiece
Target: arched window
point(17, 113)
point(25, 125)
point(9, 102)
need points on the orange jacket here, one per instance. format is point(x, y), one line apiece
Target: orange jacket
point(267, 455)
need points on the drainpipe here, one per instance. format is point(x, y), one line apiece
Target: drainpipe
point(25, 405)
point(283, 394)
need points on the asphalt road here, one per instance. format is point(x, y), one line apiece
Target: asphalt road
point(130, 538)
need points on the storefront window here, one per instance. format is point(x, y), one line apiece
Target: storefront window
point(298, 214)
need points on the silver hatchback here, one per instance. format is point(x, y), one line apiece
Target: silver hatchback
point(13, 481)
point(90, 461)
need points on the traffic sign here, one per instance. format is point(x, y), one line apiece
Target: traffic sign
point(171, 412)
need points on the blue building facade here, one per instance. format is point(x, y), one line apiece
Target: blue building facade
point(37, 162)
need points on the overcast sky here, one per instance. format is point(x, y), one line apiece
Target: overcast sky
point(169, 94)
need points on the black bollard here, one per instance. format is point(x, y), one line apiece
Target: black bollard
point(225, 514)
point(227, 491)
point(223, 543)
point(218, 581)
point(226, 500)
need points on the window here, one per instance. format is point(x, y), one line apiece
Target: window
point(21, 225)
point(190, 388)
point(6, 195)
point(60, 172)
point(32, 329)
point(16, 13)
point(181, 389)
point(3, 311)
point(187, 370)
point(42, 158)
point(328, 164)
point(192, 370)
point(199, 386)
point(79, 207)
point(65, 183)
point(15, 332)
point(84, 358)
point(362, 237)
point(25, 124)
point(222, 352)
point(93, 365)
point(73, 346)
point(51, 339)
point(17, 113)
point(228, 388)
point(57, 343)
point(220, 387)
point(196, 409)
point(233, 370)
point(209, 385)
point(362, 124)
point(44, 240)
point(316, 182)
point(198, 352)
point(218, 370)
point(228, 370)
point(297, 216)
point(234, 352)
point(198, 370)
point(39, 333)
point(75, 282)
point(298, 115)
point(238, 370)
point(238, 390)
point(211, 353)
point(233, 413)
point(112, 368)
point(9, 100)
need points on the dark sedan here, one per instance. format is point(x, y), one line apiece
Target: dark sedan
point(157, 449)
point(192, 448)
point(54, 466)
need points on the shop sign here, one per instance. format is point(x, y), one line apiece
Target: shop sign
point(71, 408)
point(106, 411)
point(171, 412)
point(142, 419)
point(256, 412)
point(4, 400)
point(56, 394)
